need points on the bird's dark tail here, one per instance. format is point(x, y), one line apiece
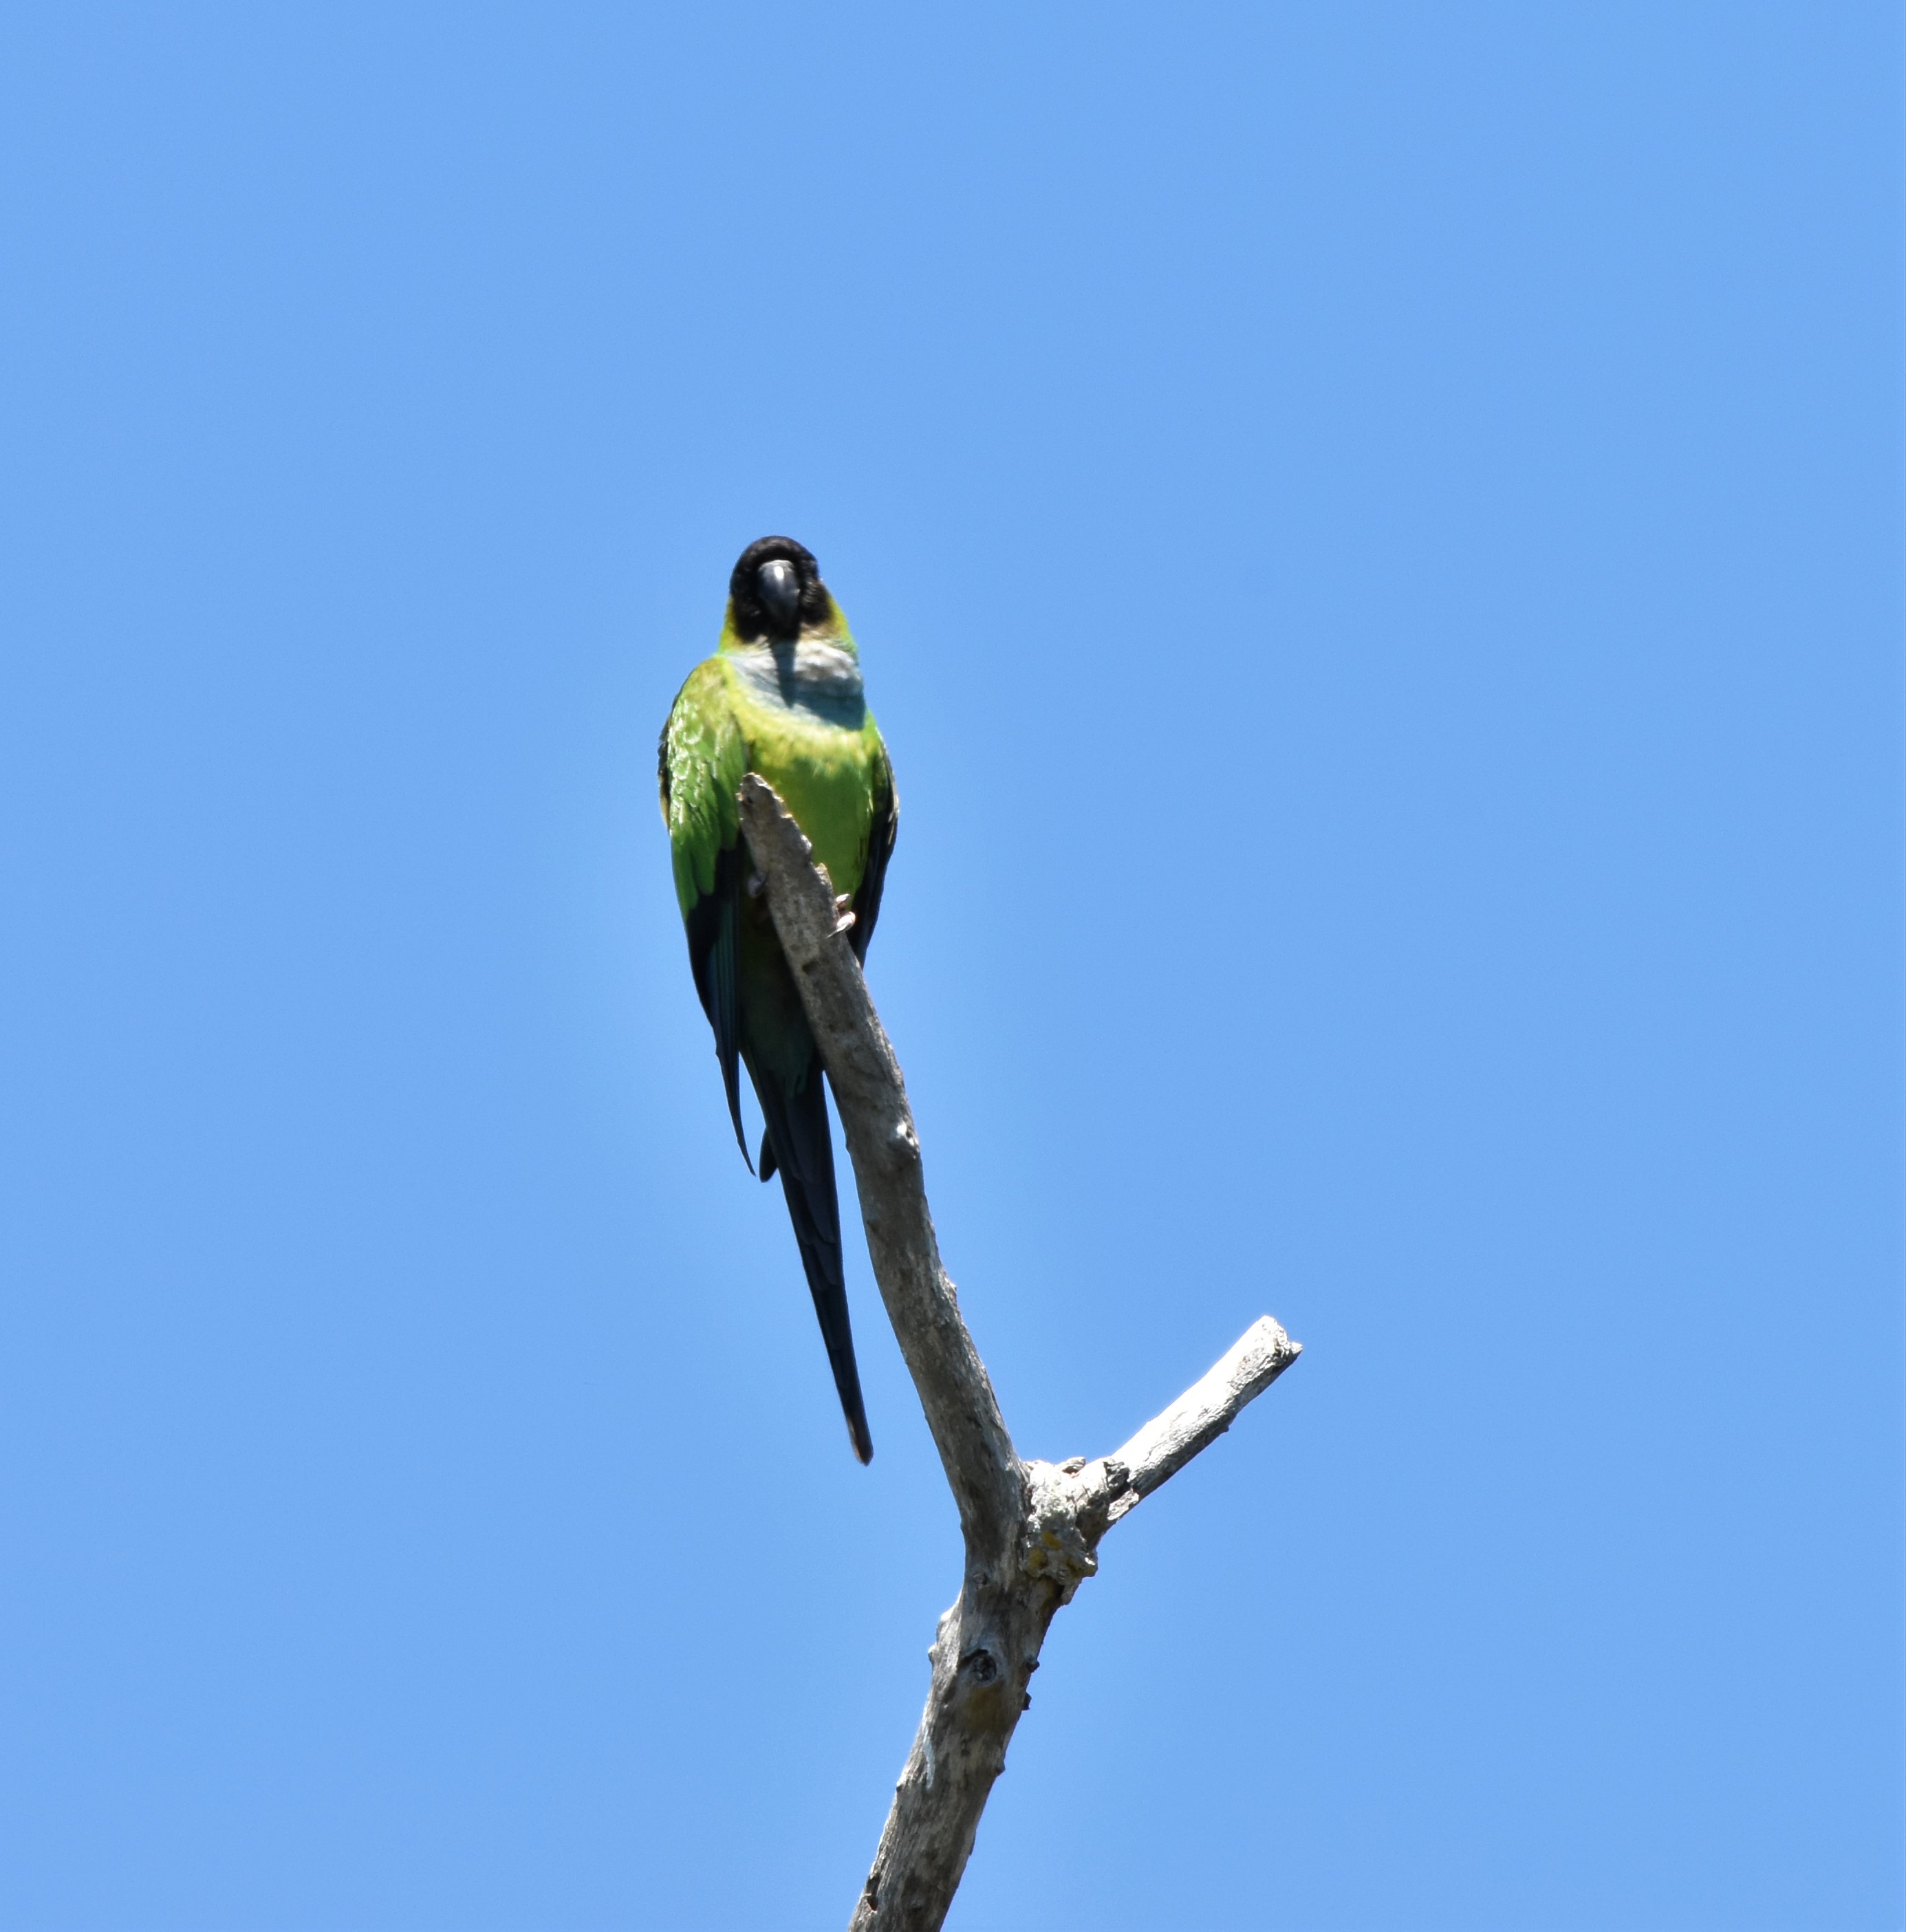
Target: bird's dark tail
point(803, 1154)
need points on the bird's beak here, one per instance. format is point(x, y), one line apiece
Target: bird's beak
point(781, 594)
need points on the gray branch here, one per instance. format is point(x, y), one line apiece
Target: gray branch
point(1031, 1529)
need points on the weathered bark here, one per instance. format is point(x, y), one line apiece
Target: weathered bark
point(1031, 1529)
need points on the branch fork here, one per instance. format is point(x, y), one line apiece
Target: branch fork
point(1031, 1529)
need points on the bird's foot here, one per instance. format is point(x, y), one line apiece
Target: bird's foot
point(757, 884)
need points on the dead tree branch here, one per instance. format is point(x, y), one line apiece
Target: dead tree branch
point(1031, 1529)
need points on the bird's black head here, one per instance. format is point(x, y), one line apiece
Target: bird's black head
point(775, 588)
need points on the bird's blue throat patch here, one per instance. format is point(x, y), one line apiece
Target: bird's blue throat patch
point(820, 678)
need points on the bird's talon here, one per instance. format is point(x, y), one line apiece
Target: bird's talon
point(757, 884)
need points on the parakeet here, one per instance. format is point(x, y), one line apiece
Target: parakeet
point(781, 697)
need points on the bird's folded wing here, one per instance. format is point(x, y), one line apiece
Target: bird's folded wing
point(883, 829)
point(703, 757)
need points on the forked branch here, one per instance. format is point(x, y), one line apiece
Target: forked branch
point(1031, 1529)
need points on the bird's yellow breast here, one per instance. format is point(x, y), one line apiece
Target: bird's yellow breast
point(804, 715)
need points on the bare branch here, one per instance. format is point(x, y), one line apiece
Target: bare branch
point(1031, 1529)
point(961, 1410)
point(1204, 1412)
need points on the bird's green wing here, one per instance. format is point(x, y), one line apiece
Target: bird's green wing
point(703, 758)
point(883, 827)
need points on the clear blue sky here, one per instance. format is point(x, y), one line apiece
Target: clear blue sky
point(1374, 532)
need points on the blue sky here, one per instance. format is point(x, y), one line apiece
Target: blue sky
point(1374, 536)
